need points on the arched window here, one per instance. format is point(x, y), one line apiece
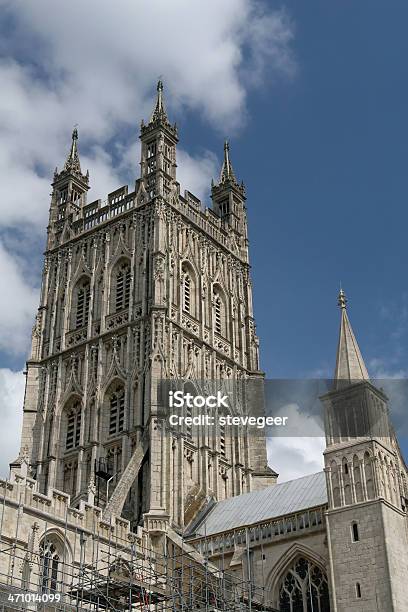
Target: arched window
point(73, 432)
point(355, 536)
point(187, 293)
point(334, 473)
point(82, 296)
point(368, 471)
point(346, 482)
point(304, 587)
point(117, 411)
point(219, 313)
point(122, 289)
point(188, 297)
point(358, 590)
point(357, 479)
point(50, 561)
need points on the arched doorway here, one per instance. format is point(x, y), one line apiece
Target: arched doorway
point(304, 588)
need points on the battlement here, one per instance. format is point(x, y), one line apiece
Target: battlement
point(119, 202)
point(56, 506)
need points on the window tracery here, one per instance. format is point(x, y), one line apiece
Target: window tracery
point(73, 432)
point(83, 294)
point(304, 588)
point(188, 297)
point(117, 411)
point(50, 565)
point(122, 290)
point(219, 313)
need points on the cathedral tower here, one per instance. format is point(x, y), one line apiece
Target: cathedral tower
point(366, 482)
point(142, 287)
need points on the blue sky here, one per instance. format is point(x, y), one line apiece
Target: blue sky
point(313, 97)
point(330, 190)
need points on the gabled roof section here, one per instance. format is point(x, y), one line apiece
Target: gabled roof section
point(350, 366)
point(258, 506)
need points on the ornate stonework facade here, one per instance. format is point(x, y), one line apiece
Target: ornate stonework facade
point(149, 286)
point(144, 287)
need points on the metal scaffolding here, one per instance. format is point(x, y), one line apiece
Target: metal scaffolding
point(66, 566)
point(142, 581)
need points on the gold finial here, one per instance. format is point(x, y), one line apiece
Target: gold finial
point(342, 300)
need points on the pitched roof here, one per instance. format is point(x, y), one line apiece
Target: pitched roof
point(271, 502)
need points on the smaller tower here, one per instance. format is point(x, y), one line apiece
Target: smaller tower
point(158, 159)
point(228, 197)
point(70, 187)
point(366, 519)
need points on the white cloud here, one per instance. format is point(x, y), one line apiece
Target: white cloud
point(72, 67)
point(11, 402)
point(294, 456)
point(195, 173)
point(385, 369)
point(96, 63)
point(18, 305)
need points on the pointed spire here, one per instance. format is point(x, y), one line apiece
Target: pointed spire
point(159, 113)
point(73, 164)
point(227, 172)
point(350, 366)
point(227, 181)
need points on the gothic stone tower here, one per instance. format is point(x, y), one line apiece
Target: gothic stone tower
point(143, 287)
point(366, 481)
